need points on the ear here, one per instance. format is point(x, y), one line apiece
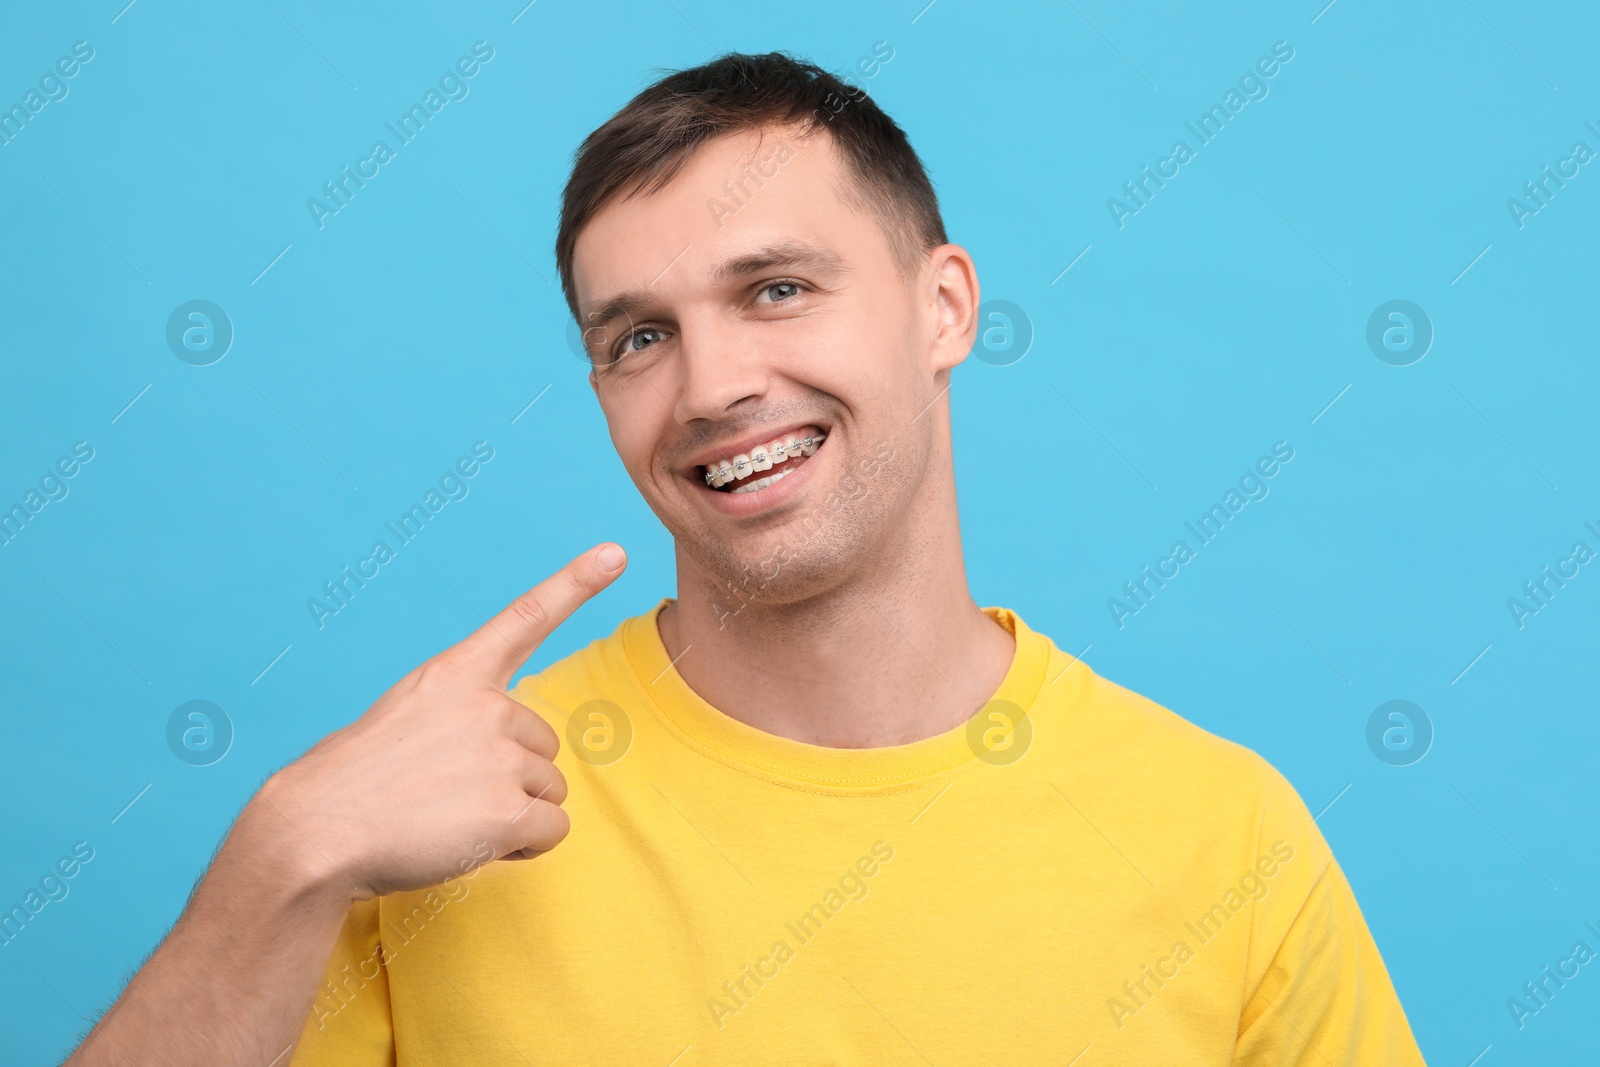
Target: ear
point(953, 298)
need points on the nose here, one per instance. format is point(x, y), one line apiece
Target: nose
point(719, 369)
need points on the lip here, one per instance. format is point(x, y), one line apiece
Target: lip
point(733, 448)
point(743, 505)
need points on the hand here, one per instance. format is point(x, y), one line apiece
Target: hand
point(445, 771)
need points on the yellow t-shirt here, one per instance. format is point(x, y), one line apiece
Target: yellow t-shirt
point(1076, 872)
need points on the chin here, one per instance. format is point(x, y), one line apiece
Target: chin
point(789, 566)
point(836, 532)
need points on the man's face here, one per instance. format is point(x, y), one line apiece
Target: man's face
point(746, 307)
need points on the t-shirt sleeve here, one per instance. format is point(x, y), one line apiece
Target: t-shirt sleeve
point(1326, 998)
point(350, 1023)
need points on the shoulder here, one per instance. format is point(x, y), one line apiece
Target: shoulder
point(1125, 726)
point(1197, 792)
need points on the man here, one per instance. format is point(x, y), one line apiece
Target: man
point(823, 808)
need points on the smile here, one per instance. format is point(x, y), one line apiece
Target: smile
point(789, 451)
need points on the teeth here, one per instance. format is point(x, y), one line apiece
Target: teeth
point(761, 458)
point(762, 483)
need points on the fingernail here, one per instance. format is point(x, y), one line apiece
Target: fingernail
point(611, 558)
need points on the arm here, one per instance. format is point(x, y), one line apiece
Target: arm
point(1326, 997)
point(233, 980)
point(444, 763)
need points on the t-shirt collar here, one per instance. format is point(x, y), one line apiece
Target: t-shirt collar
point(818, 768)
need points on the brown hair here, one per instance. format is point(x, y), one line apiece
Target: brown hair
point(642, 147)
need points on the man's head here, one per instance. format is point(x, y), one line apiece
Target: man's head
point(754, 255)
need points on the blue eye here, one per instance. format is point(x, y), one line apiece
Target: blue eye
point(634, 337)
point(630, 343)
point(792, 287)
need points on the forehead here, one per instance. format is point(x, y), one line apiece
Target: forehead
point(735, 194)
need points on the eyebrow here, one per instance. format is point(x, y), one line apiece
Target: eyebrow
point(782, 254)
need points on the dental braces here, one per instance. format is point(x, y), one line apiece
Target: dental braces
point(783, 453)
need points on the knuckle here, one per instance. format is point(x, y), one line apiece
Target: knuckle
point(554, 825)
point(442, 669)
point(554, 789)
point(517, 809)
point(537, 824)
point(576, 580)
point(530, 609)
point(506, 758)
point(561, 825)
point(545, 740)
point(502, 716)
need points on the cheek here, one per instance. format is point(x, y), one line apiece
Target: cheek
point(883, 367)
point(636, 452)
point(859, 362)
point(637, 425)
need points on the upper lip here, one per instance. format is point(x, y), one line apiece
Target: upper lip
point(729, 449)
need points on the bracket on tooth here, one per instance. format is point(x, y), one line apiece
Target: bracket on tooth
point(804, 446)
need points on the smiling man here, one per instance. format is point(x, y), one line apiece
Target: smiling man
point(820, 807)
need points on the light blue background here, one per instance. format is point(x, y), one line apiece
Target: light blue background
point(1223, 317)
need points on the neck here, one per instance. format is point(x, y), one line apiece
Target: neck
point(895, 652)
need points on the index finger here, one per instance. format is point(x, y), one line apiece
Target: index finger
point(504, 643)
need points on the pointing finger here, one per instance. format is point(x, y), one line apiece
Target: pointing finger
point(506, 641)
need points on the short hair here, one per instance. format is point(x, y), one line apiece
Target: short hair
point(643, 147)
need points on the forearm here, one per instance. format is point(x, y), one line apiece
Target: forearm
point(235, 978)
point(444, 761)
